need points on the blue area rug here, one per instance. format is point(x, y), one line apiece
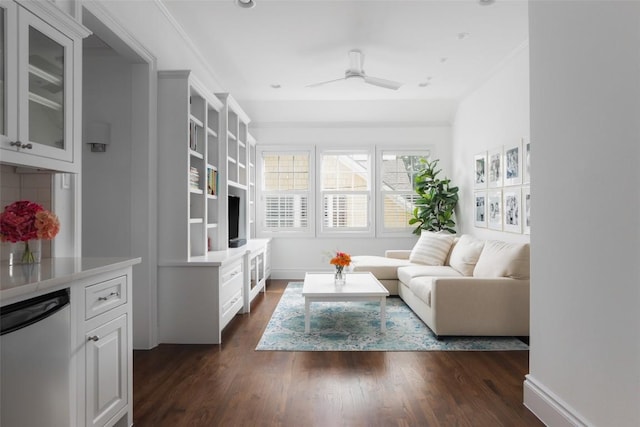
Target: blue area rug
point(355, 326)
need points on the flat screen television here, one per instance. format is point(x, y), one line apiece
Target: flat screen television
point(234, 222)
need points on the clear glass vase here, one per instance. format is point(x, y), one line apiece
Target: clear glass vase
point(340, 277)
point(27, 252)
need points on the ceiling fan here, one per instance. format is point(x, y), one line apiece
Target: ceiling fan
point(355, 71)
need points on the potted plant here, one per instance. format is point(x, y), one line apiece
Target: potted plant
point(436, 202)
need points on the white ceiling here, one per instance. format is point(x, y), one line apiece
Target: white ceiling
point(294, 43)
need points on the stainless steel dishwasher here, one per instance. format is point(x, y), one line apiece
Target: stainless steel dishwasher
point(34, 361)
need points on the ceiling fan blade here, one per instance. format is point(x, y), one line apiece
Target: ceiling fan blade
point(388, 84)
point(356, 60)
point(324, 83)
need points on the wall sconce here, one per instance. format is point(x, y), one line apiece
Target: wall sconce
point(98, 136)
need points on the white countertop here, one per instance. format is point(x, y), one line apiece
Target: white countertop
point(19, 281)
point(217, 258)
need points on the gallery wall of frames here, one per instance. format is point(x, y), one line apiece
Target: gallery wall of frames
point(502, 192)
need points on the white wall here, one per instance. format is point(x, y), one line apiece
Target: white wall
point(147, 23)
point(291, 257)
point(35, 187)
point(106, 177)
point(585, 294)
point(494, 115)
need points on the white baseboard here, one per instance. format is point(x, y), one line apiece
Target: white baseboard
point(550, 409)
point(290, 274)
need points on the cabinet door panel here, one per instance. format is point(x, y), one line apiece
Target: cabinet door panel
point(8, 82)
point(45, 68)
point(106, 357)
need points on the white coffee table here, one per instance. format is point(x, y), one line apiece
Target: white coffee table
point(319, 287)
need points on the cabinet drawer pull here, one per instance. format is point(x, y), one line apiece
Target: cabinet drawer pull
point(117, 294)
point(93, 338)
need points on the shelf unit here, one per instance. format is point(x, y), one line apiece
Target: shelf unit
point(234, 153)
point(203, 158)
point(188, 129)
point(252, 184)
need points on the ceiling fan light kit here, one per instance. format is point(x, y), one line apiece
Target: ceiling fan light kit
point(245, 4)
point(355, 71)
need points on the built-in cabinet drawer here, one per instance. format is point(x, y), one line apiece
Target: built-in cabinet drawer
point(231, 291)
point(104, 296)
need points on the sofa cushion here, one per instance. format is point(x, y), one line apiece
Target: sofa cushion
point(406, 273)
point(431, 248)
point(383, 268)
point(465, 254)
point(501, 259)
point(421, 288)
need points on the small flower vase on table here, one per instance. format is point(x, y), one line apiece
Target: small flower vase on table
point(27, 252)
point(24, 225)
point(340, 277)
point(341, 260)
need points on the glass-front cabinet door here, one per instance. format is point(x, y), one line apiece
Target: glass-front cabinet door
point(44, 88)
point(8, 83)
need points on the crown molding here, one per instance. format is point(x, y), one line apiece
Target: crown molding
point(185, 37)
point(348, 124)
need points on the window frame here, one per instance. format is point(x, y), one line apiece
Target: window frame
point(261, 194)
point(381, 230)
point(369, 230)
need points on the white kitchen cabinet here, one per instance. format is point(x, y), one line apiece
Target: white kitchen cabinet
point(41, 86)
point(107, 369)
point(101, 349)
point(106, 376)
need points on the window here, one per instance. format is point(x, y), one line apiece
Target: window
point(345, 191)
point(286, 189)
point(396, 175)
point(307, 191)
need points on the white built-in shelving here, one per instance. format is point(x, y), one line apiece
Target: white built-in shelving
point(206, 154)
point(188, 129)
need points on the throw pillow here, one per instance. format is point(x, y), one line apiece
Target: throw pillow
point(465, 254)
point(501, 259)
point(431, 248)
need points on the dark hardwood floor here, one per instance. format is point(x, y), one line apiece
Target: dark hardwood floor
point(234, 385)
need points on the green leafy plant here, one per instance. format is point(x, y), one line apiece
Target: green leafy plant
point(436, 202)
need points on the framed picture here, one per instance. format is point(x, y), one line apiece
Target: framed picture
point(494, 159)
point(512, 210)
point(526, 161)
point(526, 210)
point(480, 170)
point(494, 210)
point(480, 211)
point(513, 164)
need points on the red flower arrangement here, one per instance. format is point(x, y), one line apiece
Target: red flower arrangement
point(23, 220)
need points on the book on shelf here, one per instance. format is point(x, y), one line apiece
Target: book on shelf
point(193, 136)
point(194, 178)
point(212, 181)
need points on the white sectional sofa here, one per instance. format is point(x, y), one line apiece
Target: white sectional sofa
point(459, 285)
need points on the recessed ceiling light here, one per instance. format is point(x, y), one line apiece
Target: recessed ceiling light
point(486, 2)
point(275, 86)
point(246, 4)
